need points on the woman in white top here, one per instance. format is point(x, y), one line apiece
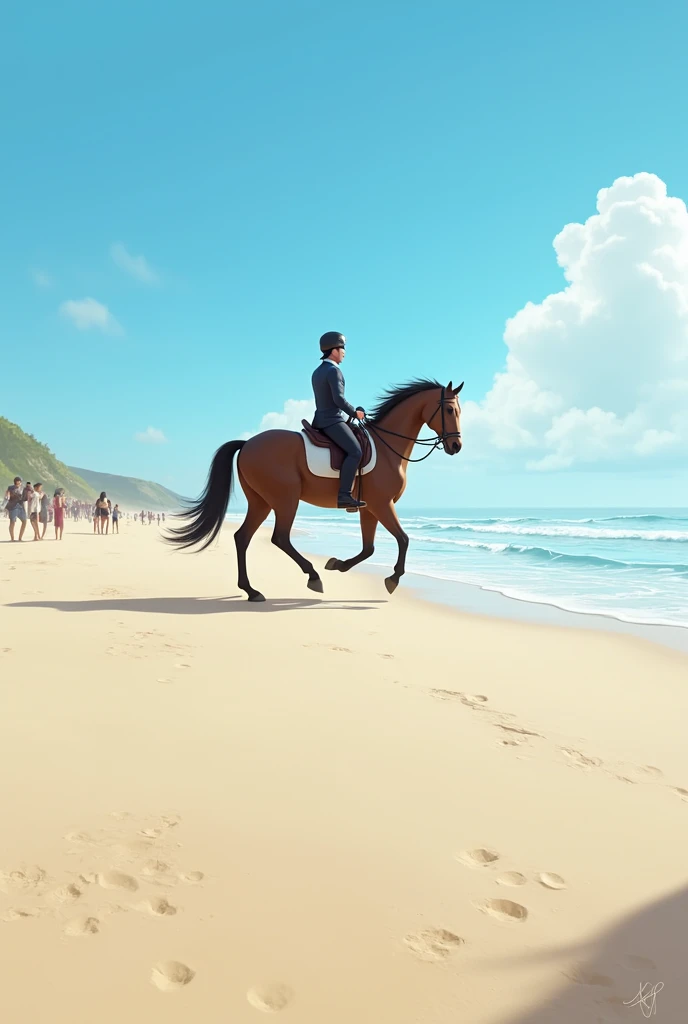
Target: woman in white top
point(34, 508)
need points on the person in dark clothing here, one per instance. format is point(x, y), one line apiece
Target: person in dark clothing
point(330, 408)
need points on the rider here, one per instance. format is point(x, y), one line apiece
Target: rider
point(330, 403)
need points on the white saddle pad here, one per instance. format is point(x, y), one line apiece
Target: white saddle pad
point(318, 459)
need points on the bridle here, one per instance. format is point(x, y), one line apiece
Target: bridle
point(434, 443)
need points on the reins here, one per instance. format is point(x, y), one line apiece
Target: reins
point(433, 442)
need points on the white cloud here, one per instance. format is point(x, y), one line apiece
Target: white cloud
point(136, 266)
point(598, 372)
point(42, 279)
point(151, 436)
point(295, 410)
point(88, 313)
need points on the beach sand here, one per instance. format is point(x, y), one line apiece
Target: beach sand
point(343, 809)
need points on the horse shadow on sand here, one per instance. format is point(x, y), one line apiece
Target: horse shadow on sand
point(633, 971)
point(202, 605)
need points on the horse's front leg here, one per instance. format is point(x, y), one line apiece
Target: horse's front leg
point(368, 528)
point(387, 516)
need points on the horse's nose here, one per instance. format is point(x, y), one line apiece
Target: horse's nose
point(456, 447)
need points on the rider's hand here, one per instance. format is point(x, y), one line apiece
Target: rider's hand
point(360, 414)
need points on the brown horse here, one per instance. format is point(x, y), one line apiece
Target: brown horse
point(274, 477)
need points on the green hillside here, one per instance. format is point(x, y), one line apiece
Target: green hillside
point(22, 455)
point(130, 493)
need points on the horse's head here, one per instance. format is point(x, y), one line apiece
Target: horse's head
point(442, 413)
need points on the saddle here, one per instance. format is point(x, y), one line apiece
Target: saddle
point(337, 455)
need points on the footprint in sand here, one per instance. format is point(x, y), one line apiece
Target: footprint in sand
point(191, 877)
point(329, 647)
point(182, 664)
point(270, 998)
point(519, 731)
point(469, 700)
point(512, 878)
point(117, 880)
point(20, 913)
point(171, 975)
point(683, 793)
point(550, 880)
point(504, 910)
point(433, 944)
point(150, 833)
point(478, 858)
point(83, 925)
point(158, 906)
point(69, 893)
point(155, 868)
point(582, 975)
point(637, 963)
point(579, 760)
point(23, 878)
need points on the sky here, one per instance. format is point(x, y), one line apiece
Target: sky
point(194, 193)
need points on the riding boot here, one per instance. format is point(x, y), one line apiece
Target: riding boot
point(347, 501)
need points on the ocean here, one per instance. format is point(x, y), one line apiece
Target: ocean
point(627, 564)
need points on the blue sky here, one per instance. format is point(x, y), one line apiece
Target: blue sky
point(395, 171)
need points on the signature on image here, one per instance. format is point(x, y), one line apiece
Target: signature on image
point(646, 998)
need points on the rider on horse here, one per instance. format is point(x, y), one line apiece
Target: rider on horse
point(330, 404)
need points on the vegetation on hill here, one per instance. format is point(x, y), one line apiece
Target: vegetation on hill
point(22, 455)
point(130, 493)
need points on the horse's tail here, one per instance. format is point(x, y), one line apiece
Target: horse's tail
point(204, 518)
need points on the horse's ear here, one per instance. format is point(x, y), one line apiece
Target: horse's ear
point(450, 388)
point(456, 390)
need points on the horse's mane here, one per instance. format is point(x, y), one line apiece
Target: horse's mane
point(397, 394)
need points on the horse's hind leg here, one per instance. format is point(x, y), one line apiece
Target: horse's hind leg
point(281, 538)
point(258, 511)
point(368, 527)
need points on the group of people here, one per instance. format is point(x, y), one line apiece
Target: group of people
point(27, 503)
point(148, 516)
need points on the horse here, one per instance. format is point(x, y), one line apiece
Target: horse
point(274, 475)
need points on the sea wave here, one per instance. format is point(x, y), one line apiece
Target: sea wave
point(567, 558)
point(553, 530)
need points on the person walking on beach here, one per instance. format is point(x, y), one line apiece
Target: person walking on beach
point(330, 407)
point(59, 512)
point(15, 508)
point(43, 515)
point(34, 510)
point(103, 512)
point(115, 519)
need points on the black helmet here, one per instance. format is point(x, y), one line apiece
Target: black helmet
point(332, 340)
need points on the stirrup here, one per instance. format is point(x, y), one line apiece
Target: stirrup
point(348, 502)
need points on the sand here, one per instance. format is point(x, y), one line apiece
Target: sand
point(343, 809)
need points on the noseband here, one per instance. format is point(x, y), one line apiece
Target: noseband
point(433, 442)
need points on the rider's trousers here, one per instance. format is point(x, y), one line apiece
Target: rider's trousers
point(343, 435)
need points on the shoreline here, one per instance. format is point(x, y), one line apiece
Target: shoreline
point(485, 599)
point(472, 599)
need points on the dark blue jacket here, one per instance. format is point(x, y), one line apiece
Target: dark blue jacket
point(330, 403)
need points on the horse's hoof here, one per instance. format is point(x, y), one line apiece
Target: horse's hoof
point(256, 596)
point(316, 585)
point(391, 584)
point(332, 563)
